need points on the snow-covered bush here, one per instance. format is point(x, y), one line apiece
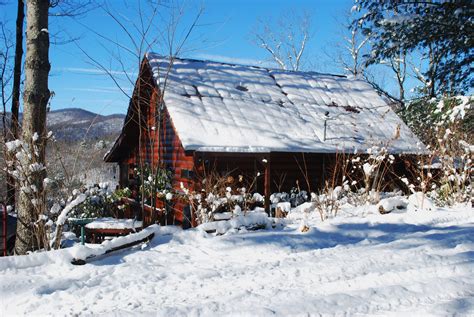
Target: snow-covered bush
point(221, 194)
point(445, 174)
point(357, 179)
point(94, 201)
point(98, 203)
point(328, 202)
point(154, 183)
point(425, 116)
point(296, 197)
point(372, 169)
point(455, 157)
point(336, 188)
point(23, 161)
point(155, 188)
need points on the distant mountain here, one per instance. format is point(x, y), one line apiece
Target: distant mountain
point(74, 124)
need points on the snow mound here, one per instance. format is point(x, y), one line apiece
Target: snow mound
point(392, 203)
point(250, 220)
point(419, 201)
point(359, 263)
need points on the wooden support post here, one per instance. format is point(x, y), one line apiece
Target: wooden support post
point(123, 174)
point(267, 183)
point(324, 171)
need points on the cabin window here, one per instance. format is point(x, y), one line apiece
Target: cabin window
point(187, 174)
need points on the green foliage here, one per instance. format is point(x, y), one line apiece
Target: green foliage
point(426, 117)
point(121, 193)
point(99, 203)
point(419, 116)
point(156, 181)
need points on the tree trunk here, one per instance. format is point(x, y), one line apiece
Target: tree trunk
point(35, 100)
point(402, 93)
point(14, 126)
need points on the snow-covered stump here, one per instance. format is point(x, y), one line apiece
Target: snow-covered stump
point(388, 205)
point(282, 209)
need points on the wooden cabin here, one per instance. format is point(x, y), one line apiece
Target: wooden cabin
point(192, 115)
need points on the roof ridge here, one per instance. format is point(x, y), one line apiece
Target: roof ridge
point(249, 66)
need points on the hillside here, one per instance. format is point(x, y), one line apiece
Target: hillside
point(77, 124)
point(74, 124)
point(83, 137)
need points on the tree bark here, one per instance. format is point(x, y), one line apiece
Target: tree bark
point(14, 126)
point(35, 100)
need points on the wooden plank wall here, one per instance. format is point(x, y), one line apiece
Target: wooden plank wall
point(161, 146)
point(168, 151)
point(284, 170)
point(290, 170)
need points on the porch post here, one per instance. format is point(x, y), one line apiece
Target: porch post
point(267, 184)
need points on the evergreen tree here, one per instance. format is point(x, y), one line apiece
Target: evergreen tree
point(444, 27)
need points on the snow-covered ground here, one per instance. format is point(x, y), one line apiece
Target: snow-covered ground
point(407, 263)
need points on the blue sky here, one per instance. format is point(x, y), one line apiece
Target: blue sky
point(223, 34)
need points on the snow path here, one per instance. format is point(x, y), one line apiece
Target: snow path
point(396, 264)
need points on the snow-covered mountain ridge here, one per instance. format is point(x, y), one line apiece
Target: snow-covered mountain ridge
point(75, 124)
point(78, 124)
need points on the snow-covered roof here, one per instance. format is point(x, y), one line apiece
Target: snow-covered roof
point(233, 108)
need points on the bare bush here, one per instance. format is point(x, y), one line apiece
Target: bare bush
point(221, 194)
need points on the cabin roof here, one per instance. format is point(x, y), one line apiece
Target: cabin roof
point(218, 107)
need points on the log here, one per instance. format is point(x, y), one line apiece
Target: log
point(122, 247)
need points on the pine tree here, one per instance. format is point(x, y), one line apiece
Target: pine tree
point(446, 27)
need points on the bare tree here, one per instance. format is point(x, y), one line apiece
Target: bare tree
point(15, 106)
point(147, 26)
point(286, 40)
point(17, 69)
point(5, 73)
point(35, 100)
point(399, 67)
point(351, 51)
point(144, 36)
point(426, 71)
point(354, 46)
point(5, 82)
point(70, 8)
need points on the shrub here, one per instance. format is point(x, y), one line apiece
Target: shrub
point(221, 192)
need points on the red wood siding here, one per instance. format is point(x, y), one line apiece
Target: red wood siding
point(159, 143)
point(169, 152)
